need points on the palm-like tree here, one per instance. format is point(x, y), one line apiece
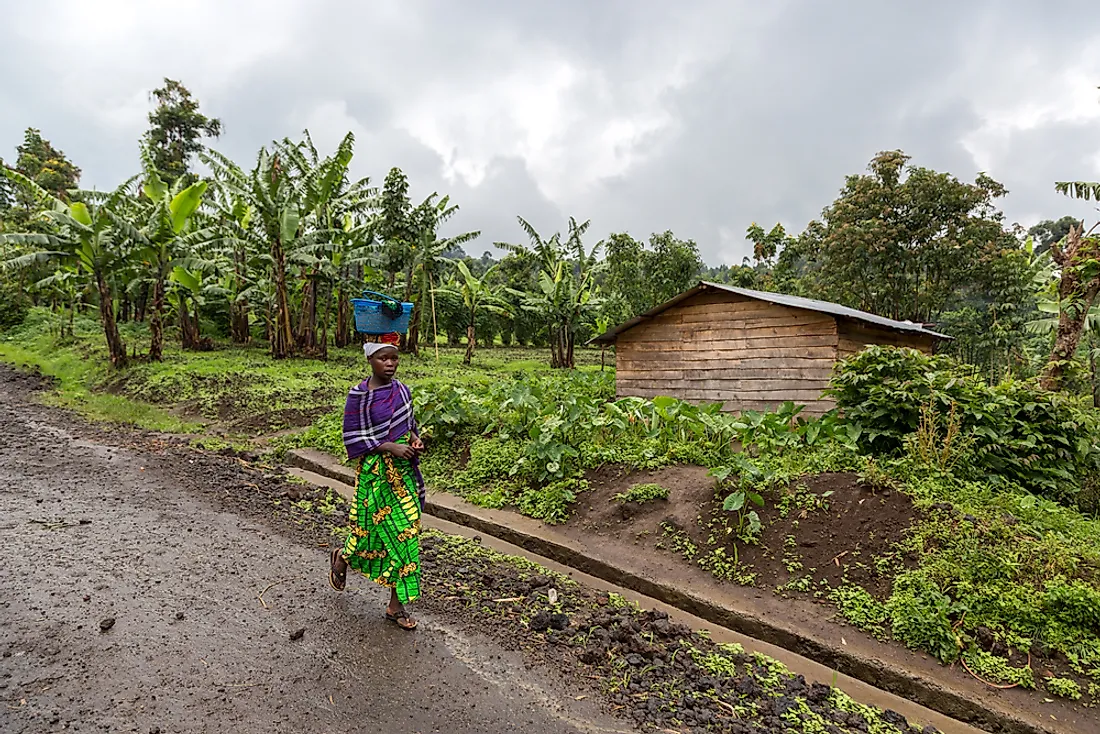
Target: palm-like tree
point(478, 296)
point(566, 285)
point(427, 260)
point(337, 211)
point(161, 228)
point(84, 236)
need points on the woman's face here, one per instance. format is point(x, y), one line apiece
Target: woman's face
point(383, 363)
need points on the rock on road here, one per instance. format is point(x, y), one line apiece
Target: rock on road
point(204, 605)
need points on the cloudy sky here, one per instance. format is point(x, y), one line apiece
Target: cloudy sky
point(698, 116)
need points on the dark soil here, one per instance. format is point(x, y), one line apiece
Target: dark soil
point(859, 524)
point(836, 537)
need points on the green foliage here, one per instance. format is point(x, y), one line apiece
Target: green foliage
point(45, 165)
point(551, 503)
point(860, 609)
point(566, 291)
point(176, 129)
point(903, 241)
point(14, 304)
point(921, 618)
point(1063, 688)
point(1019, 432)
point(643, 493)
point(996, 669)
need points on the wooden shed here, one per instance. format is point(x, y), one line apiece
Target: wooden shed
point(749, 350)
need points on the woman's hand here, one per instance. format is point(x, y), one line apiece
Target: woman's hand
point(400, 450)
point(417, 444)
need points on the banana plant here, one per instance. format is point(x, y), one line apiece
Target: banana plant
point(478, 295)
point(566, 285)
point(83, 234)
point(166, 233)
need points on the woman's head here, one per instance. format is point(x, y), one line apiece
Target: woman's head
point(382, 358)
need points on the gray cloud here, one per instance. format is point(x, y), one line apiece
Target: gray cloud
point(643, 116)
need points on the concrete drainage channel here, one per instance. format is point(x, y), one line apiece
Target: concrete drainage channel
point(866, 679)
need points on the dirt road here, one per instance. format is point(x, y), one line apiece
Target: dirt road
point(131, 600)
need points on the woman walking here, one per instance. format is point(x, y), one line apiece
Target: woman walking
point(380, 431)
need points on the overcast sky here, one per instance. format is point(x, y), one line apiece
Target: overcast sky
point(698, 116)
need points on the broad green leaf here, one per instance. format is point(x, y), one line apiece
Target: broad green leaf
point(79, 211)
point(734, 502)
point(184, 204)
point(288, 223)
point(184, 277)
point(154, 187)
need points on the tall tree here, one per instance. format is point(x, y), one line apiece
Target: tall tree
point(177, 129)
point(395, 227)
point(274, 197)
point(901, 241)
point(46, 166)
point(163, 231)
point(671, 266)
point(1078, 257)
point(428, 259)
point(1047, 232)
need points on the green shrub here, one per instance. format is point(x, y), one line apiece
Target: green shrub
point(14, 304)
point(1063, 688)
point(860, 609)
point(920, 617)
point(642, 493)
point(551, 503)
point(1039, 440)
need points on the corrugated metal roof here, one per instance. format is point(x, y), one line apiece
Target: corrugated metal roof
point(808, 304)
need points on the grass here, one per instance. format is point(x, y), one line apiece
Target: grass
point(79, 370)
point(643, 493)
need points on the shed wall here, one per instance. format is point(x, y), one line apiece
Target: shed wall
point(721, 347)
point(855, 336)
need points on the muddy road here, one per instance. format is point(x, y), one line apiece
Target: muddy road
point(136, 598)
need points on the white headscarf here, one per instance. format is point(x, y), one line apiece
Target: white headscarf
point(371, 347)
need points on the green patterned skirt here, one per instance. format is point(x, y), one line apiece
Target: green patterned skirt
point(384, 544)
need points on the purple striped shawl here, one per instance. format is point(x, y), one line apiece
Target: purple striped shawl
point(376, 416)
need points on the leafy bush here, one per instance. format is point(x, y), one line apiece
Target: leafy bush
point(551, 503)
point(642, 493)
point(14, 304)
point(1064, 688)
point(920, 617)
point(1037, 439)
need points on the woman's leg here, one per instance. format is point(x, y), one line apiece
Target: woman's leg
point(396, 611)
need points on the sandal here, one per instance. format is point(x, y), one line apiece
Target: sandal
point(337, 579)
point(397, 619)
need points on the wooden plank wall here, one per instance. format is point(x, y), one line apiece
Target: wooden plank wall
point(721, 347)
point(854, 336)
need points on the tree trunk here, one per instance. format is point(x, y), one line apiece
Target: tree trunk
point(189, 329)
point(238, 308)
point(322, 344)
point(412, 342)
point(141, 307)
point(156, 323)
point(561, 347)
point(1079, 294)
point(1095, 383)
point(238, 321)
point(282, 335)
point(124, 309)
point(343, 318)
point(471, 343)
point(307, 325)
point(115, 347)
